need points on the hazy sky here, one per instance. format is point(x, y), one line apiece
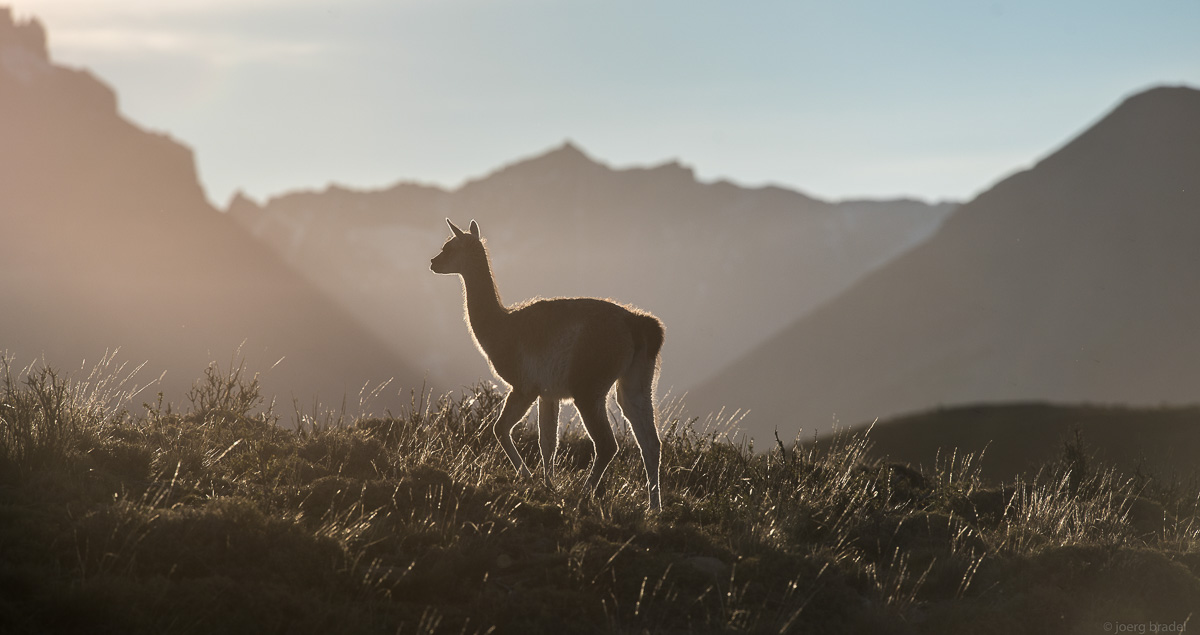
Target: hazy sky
point(840, 99)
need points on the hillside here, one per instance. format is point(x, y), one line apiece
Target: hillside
point(109, 242)
point(1072, 281)
point(1016, 438)
point(724, 266)
point(209, 518)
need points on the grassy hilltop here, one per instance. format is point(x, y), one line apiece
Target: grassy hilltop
point(127, 518)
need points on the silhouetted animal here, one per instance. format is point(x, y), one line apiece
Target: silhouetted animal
point(564, 348)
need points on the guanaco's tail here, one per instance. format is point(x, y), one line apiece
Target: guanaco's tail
point(647, 336)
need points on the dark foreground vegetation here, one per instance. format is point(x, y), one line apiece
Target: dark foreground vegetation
point(125, 518)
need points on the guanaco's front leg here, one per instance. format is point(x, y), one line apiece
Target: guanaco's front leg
point(516, 404)
point(548, 435)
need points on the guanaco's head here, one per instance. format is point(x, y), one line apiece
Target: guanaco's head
point(460, 251)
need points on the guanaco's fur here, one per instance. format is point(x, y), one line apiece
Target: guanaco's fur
point(564, 348)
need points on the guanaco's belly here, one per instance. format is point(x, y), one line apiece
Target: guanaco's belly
point(545, 369)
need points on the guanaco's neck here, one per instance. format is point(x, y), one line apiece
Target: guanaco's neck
point(485, 311)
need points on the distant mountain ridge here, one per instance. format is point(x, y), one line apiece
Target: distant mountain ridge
point(1013, 439)
point(108, 241)
point(1075, 280)
point(724, 266)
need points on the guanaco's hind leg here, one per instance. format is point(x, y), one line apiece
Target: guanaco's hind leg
point(634, 395)
point(516, 404)
point(595, 419)
point(548, 434)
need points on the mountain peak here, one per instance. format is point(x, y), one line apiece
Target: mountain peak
point(241, 203)
point(23, 51)
point(28, 35)
point(25, 61)
point(1151, 139)
point(1158, 114)
point(569, 150)
point(565, 159)
point(1148, 120)
point(567, 154)
point(1166, 96)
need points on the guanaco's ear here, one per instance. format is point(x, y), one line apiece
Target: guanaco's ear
point(474, 229)
point(457, 232)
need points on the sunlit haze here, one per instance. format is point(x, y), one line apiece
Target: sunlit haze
point(930, 99)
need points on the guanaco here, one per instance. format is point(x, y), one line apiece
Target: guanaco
point(558, 349)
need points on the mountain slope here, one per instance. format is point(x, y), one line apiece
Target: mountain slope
point(724, 266)
point(1072, 281)
point(1016, 438)
point(109, 242)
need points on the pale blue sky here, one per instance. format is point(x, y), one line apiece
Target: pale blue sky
point(934, 99)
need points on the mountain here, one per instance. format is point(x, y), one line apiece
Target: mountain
point(724, 266)
point(108, 241)
point(1073, 281)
